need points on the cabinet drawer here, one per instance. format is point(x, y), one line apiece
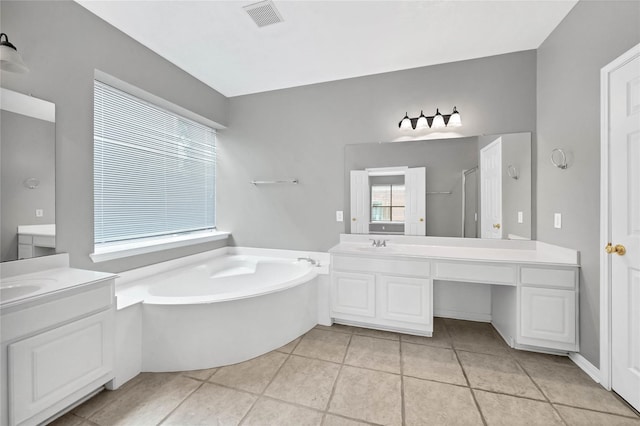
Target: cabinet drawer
point(45, 370)
point(90, 299)
point(41, 241)
point(475, 272)
point(25, 239)
point(384, 266)
point(548, 277)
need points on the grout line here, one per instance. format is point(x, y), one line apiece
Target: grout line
point(181, 402)
point(539, 389)
point(596, 411)
point(335, 383)
point(473, 395)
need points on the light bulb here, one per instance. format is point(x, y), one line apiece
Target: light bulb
point(422, 122)
point(438, 121)
point(454, 120)
point(405, 123)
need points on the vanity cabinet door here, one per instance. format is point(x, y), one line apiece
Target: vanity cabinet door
point(405, 299)
point(353, 293)
point(548, 318)
point(51, 370)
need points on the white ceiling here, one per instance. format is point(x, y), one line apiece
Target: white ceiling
point(217, 42)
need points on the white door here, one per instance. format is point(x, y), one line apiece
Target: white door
point(415, 184)
point(624, 193)
point(491, 190)
point(360, 202)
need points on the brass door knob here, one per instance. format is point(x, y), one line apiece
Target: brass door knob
point(353, 219)
point(496, 225)
point(421, 219)
point(619, 249)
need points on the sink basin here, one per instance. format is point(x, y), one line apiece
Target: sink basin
point(15, 291)
point(20, 287)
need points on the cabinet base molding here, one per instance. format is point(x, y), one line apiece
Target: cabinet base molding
point(381, 327)
point(460, 315)
point(585, 366)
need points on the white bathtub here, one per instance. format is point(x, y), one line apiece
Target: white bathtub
point(221, 309)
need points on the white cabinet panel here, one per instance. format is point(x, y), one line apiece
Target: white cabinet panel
point(353, 293)
point(47, 369)
point(547, 317)
point(549, 277)
point(475, 272)
point(418, 268)
point(405, 299)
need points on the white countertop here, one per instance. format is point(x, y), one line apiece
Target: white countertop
point(39, 284)
point(48, 230)
point(463, 249)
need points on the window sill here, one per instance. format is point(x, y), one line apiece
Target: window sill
point(119, 251)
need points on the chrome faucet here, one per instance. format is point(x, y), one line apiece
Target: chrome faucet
point(310, 260)
point(378, 243)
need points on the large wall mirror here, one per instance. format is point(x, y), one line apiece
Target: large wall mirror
point(27, 167)
point(472, 187)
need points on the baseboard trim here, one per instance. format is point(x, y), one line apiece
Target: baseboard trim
point(468, 316)
point(585, 366)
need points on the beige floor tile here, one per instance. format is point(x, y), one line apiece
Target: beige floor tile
point(476, 337)
point(432, 363)
point(525, 357)
point(253, 375)
point(268, 412)
point(148, 402)
point(372, 396)
point(572, 386)
point(289, 347)
point(304, 381)
point(200, 374)
point(325, 345)
point(505, 410)
point(336, 327)
point(212, 405)
point(498, 374)
point(578, 417)
point(68, 419)
point(431, 403)
point(374, 353)
point(381, 334)
point(106, 397)
point(331, 420)
point(440, 336)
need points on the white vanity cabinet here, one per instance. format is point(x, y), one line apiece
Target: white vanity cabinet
point(56, 350)
point(382, 293)
point(548, 300)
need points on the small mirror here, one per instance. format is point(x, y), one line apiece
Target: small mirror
point(27, 157)
point(473, 187)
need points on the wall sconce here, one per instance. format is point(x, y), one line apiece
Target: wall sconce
point(10, 59)
point(437, 121)
point(559, 158)
point(31, 183)
point(512, 172)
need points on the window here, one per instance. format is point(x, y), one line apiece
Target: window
point(387, 203)
point(154, 170)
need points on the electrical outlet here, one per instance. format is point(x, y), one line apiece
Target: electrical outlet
point(520, 217)
point(557, 220)
point(39, 212)
point(339, 216)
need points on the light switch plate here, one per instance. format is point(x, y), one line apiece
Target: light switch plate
point(39, 212)
point(557, 220)
point(520, 217)
point(339, 216)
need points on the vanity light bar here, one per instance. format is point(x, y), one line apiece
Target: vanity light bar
point(437, 121)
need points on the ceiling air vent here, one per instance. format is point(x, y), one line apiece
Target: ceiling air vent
point(263, 13)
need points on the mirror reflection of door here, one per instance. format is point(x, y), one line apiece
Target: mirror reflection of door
point(491, 190)
point(470, 203)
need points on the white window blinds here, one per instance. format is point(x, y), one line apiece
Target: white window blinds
point(154, 171)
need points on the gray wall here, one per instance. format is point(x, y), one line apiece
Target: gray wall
point(568, 74)
point(27, 150)
point(301, 133)
point(62, 43)
point(444, 159)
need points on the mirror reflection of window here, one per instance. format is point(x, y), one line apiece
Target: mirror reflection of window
point(387, 203)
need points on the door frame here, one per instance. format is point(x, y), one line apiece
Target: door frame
point(605, 216)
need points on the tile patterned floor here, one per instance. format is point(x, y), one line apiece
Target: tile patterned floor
point(348, 376)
